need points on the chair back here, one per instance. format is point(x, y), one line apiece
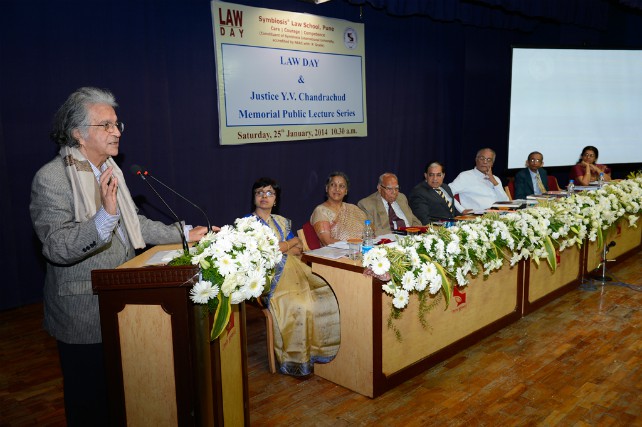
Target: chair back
point(302, 239)
point(553, 185)
point(509, 188)
point(309, 237)
point(507, 191)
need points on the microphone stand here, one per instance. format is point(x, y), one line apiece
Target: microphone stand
point(604, 278)
point(209, 226)
point(183, 239)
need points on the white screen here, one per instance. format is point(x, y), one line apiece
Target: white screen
point(565, 99)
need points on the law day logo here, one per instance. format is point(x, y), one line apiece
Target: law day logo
point(230, 22)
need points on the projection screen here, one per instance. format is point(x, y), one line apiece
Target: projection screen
point(565, 99)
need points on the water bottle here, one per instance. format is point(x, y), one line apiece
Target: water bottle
point(571, 187)
point(368, 237)
point(600, 181)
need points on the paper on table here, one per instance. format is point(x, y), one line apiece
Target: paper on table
point(342, 244)
point(329, 252)
point(163, 257)
point(339, 245)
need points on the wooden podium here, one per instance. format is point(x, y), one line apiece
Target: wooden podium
point(161, 367)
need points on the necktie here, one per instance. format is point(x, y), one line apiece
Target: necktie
point(394, 221)
point(443, 196)
point(540, 184)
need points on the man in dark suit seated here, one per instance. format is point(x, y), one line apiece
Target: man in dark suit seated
point(532, 179)
point(387, 209)
point(432, 200)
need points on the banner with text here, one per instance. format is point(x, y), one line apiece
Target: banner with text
point(287, 76)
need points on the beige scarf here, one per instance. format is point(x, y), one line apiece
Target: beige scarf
point(87, 193)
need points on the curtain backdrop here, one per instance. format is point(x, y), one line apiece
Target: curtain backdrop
point(438, 87)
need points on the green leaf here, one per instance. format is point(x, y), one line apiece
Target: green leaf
point(222, 315)
point(446, 286)
point(550, 252)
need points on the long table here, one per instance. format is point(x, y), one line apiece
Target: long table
point(372, 358)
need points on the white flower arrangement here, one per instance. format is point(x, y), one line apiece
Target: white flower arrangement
point(237, 264)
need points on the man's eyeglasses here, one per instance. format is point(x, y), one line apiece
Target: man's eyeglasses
point(390, 189)
point(535, 160)
point(435, 175)
point(265, 193)
point(109, 126)
point(485, 159)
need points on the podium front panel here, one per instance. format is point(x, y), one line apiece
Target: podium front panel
point(161, 367)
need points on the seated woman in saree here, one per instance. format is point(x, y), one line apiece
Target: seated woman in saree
point(587, 170)
point(334, 219)
point(303, 306)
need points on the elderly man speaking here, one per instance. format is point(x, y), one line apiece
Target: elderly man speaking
point(86, 219)
point(387, 209)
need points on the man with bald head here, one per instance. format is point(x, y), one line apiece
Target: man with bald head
point(533, 179)
point(432, 200)
point(388, 209)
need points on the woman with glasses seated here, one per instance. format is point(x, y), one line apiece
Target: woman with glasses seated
point(587, 170)
point(303, 306)
point(533, 179)
point(334, 219)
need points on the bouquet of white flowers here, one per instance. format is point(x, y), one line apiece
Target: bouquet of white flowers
point(237, 264)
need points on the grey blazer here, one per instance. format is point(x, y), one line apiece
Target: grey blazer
point(72, 250)
point(376, 213)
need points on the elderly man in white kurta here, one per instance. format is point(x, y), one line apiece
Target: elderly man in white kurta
point(478, 188)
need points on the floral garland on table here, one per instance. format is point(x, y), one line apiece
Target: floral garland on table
point(433, 260)
point(599, 210)
point(634, 174)
point(237, 264)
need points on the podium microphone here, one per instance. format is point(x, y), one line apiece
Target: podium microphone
point(138, 171)
point(144, 172)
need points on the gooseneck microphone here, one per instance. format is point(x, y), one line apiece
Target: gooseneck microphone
point(145, 173)
point(138, 171)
